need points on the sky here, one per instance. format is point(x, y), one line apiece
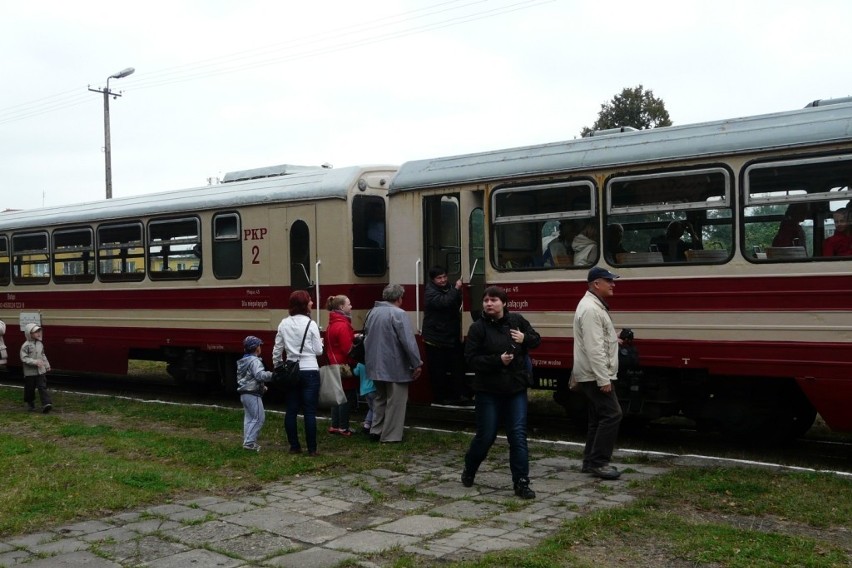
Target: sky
point(230, 85)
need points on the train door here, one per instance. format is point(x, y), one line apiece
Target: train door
point(475, 249)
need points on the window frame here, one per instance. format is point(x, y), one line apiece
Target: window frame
point(20, 279)
point(90, 272)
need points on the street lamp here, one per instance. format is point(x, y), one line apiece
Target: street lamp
point(107, 153)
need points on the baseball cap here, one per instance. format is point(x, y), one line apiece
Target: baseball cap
point(251, 343)
point(598, 272)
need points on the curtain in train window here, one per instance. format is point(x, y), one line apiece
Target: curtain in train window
point(174, 249)
point(369, 256)
point(73, 256)
point(121, 253)
point(798, 210)
point(669, 218)
point(545, 226)
point(227, 246)
point(5, 270)
point(30, 259)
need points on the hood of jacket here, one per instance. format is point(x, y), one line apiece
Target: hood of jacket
point(28, 330)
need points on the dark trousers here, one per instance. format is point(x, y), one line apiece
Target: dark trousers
point(306, 397)
point(340, 413)
point(604, 418)
point(446, 372)
point(491, 409)
point(33, 383)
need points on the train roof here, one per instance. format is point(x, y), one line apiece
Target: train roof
point(813, 124)
point(314, 184)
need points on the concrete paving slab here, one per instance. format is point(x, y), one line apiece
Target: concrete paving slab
point(370, 541)
point(197, 557)
point(135, 552)
point(212, 532)
point(270, 518)
point(256, 546)
point(313, 532)
point(420, 525)
point(311, 558)
point(73, 560)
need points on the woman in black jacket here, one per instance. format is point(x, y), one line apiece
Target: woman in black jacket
point(496, 350)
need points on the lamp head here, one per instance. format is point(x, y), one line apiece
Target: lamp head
point(123, 73)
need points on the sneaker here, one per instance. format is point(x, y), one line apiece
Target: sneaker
point(345, 432)
point(46, 408)
point(586, 469)
point(467, 478)
point(605, 472)
point(251, 447)
point(522, 489)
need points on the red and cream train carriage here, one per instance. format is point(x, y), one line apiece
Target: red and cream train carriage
point(738, 333)
point(184, 276)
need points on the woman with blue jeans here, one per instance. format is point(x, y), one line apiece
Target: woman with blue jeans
point(496, 350)
point(299, 339)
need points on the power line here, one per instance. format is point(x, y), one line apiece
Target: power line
point(339, 39)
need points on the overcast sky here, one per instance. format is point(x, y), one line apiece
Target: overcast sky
point(230, 85)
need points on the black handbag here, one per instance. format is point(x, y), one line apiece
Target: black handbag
point(287, 374)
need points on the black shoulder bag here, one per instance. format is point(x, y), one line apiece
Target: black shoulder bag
point(287, 374)
point(356, 352)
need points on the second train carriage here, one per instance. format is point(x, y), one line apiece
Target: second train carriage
point(183, 276)
point(735, 329)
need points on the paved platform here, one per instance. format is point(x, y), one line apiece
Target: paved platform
point(316, 522)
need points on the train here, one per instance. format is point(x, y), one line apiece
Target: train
point(734, 328)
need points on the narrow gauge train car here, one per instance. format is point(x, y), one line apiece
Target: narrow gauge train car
point(742, 320)
point(184, 276)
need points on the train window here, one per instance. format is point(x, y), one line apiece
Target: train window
point(544, 226)
point(798, 210)
point(5, 270)
point(30, 259)
point(73, 256)
point(227, 247)
point(669, 217)
point(174, 249)
point(368, 235)
point(121, 253)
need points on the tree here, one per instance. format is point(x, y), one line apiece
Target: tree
point(634, 107)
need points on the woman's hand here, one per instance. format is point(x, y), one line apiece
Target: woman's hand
point(517, 336)
point(507, 358)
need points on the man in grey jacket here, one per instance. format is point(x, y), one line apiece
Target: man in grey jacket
point(392, 360)
point(595, 368)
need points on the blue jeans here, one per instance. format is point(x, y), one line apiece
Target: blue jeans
point(491, 408)
point(306, 397)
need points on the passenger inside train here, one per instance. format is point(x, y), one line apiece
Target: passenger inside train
point(671, 244)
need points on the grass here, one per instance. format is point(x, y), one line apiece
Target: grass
point(95, 456)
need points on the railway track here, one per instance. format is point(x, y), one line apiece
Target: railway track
point(819, 449)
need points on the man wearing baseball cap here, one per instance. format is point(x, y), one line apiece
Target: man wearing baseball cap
point(595, 367)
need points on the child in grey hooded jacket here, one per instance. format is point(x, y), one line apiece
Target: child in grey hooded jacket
point(251, 377)
point(36, 366)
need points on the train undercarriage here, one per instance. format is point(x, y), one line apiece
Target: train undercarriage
point(746, 408)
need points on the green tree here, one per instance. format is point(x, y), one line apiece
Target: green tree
point(634, 107)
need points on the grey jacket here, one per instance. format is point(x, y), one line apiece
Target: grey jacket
point(251, 375)
point(390, 350)
point(32, 354)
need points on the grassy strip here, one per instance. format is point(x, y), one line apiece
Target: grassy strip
point(94, 456)
point(97, 455)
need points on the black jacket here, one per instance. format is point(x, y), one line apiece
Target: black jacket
point(487, 340)
point(442, 319)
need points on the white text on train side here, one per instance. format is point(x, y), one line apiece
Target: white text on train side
point(518, 305)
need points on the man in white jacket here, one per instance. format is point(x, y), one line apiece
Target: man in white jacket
point(595, 367)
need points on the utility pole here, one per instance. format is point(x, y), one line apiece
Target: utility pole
point(107, 150)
